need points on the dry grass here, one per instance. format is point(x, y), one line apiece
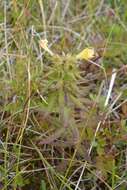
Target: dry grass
point(63, 121)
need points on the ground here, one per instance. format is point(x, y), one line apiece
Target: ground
point(63, 89)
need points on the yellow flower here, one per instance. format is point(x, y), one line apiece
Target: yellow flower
point(86, 54)
point(44, 45)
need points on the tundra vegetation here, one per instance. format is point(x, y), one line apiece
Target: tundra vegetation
point(63, 94)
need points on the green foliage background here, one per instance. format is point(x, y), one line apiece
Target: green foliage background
point(51, 106)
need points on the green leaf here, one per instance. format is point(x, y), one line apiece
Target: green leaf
point(19, 181)
point(43, 185)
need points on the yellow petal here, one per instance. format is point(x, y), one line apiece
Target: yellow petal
point(44, 45)
point(86, 54)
